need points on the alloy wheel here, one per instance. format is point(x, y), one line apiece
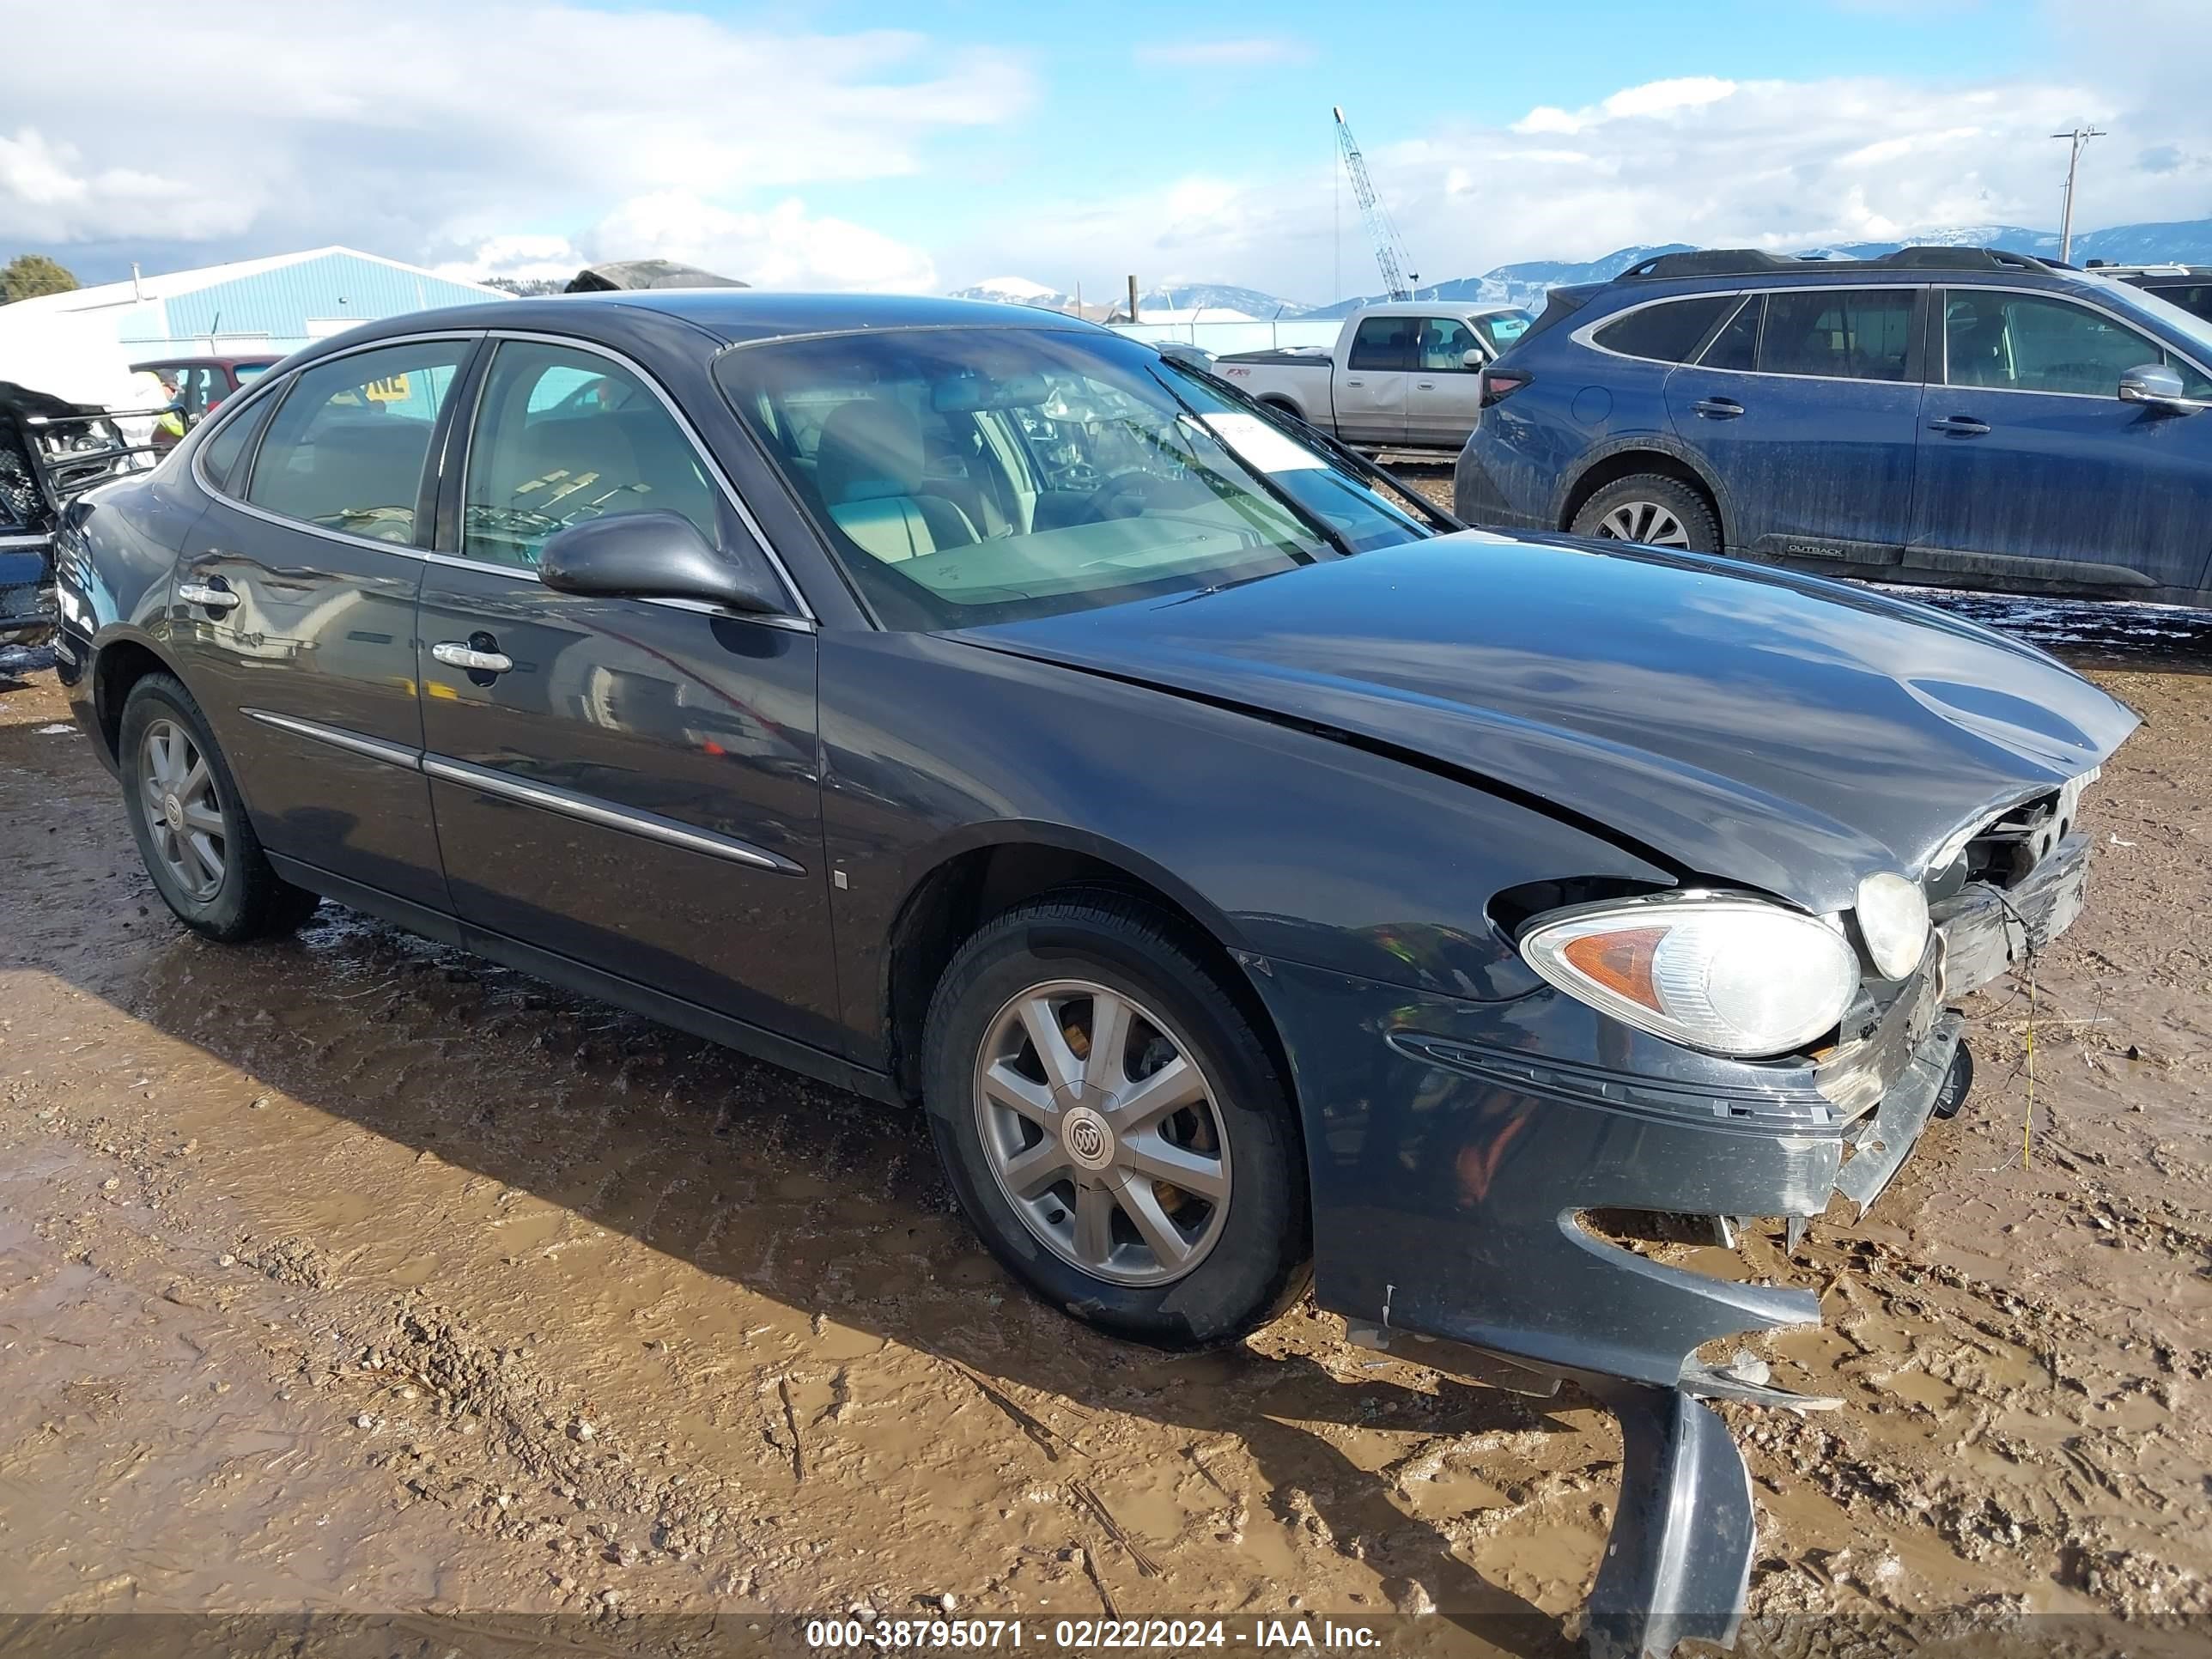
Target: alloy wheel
point(183, 814)
point(1102, 1131)
point(1647, 522)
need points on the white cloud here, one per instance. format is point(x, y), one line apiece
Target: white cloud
point(784, 246)
point(1249, 52)
point(1777, 164)
point(425, 130)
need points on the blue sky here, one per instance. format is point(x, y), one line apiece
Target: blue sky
point(930, 145)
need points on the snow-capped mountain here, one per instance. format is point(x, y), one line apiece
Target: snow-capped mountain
point(1016, 291)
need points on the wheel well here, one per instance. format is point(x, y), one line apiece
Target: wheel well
point(119, 667)
point(1627, 464)
point(1275, 401)
point(964, 893)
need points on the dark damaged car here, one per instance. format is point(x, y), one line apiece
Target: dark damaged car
point(1253, 877)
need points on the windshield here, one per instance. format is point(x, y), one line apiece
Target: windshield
point(1503, 328)
point(970, 475)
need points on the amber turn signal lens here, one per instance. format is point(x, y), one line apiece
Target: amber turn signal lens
point(1621, 962)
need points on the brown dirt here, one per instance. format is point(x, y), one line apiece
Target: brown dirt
point(350, 1273)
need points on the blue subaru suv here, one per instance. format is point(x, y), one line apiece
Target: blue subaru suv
point(1959, 417)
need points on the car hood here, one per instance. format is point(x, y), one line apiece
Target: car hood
point(1741, 723)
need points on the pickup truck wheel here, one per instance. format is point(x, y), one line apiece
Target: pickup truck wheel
point(190, 825)
point(1653, 509)
point(1113, 1125)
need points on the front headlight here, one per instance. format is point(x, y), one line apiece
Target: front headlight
point(1892, 914)
point(1732, 975)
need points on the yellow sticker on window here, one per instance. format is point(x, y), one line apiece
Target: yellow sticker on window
point(391, 390)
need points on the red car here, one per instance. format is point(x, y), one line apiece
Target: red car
point(202, 383)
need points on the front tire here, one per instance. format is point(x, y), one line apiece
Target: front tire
point(1653, 510)
point(1113, 1124)
point(190, 824)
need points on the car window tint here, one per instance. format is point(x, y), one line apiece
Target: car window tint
point(1384, 343)
point(219, 456)
point(1665, 333)
point(1856, 334)
point(563, 436)
point(345, 449)
point(1736, 346)
point(2028, 343)
point(1445, 342)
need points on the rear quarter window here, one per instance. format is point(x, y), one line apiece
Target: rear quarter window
point(1668, 332)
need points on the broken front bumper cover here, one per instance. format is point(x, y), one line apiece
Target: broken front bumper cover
point(1457, 1149)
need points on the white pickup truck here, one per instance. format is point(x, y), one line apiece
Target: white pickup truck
point(1401, 376)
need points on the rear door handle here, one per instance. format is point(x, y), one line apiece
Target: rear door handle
point(1424, 385)
point(1961, 426)
point(480, 655)
point(208, 596)
point(1718, 409)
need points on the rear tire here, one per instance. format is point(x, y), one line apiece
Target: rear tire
point(191, 826)
point(1089, 1213)
point(1652, 510)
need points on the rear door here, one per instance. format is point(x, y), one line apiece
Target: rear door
point(635, 789)
point(1369, 387)
point(2032, 468)
point(294, 609)
point(1446, 394)
point(1806, 405)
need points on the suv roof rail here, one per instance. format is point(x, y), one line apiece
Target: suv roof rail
point(1751, 262)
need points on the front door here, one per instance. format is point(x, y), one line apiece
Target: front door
point(1369, 387)
point(2030, 464)
point(1806, 405)
point(628, 784)
point(1445, 394)
point(294, 608)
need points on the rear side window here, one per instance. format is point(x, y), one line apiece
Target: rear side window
point(1384, 343)
point(2194, 298)
point(346, 447)
point(1736, 346)
point(1852, 334)
point(1669, 333)
point(219, 456)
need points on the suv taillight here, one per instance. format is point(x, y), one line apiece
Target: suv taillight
point(1498, 384)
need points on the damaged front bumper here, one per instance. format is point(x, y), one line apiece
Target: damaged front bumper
point(1458, 1151)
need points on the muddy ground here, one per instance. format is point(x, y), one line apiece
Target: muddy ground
point(349, 1273)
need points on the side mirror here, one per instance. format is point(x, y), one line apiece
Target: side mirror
point(648, 555)
point(2158, 386)
point(1473, 357)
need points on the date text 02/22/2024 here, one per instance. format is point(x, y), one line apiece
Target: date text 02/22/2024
point(1088, 1635)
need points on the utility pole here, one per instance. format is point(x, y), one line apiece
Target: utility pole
point(2075, 139)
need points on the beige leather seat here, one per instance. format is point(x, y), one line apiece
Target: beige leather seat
point(868, 467)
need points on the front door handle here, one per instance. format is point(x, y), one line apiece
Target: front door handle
point(1718, 409)
point(1959, 426)
point(208, 596)
point(481, 656)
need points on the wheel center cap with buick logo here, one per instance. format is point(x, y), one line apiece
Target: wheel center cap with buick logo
point(1089, 1141)
point(172, 810)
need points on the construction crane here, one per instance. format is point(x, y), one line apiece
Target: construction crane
point(1389, 252)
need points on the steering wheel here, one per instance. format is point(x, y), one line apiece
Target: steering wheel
point(1126, 492)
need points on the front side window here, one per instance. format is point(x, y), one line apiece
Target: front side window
point(1383, 343)
point(249, 373)
point(1445, 342)
point(969, 476)
point(563, 436)
point(1669, 333)
point(2030, 343)
point(1850, 334)
point(345, 449)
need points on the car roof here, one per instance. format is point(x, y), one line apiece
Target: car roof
point(729, 315)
